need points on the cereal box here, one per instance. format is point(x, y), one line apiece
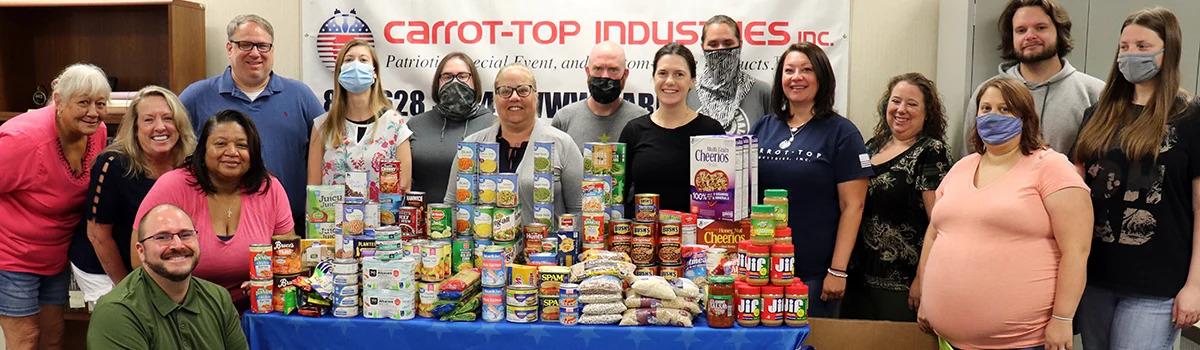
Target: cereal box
point(721, 233)
point(716, 167)
point(322, 202)
point(488, 156)
point(543, 187)
point(465, 159)
point(542, 152)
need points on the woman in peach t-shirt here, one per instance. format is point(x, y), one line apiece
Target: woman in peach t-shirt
point(1006, 251)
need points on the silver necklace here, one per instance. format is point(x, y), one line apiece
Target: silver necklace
point(788, 142)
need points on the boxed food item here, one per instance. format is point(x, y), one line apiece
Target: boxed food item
point(717, 167)
point(722, 233)
point(323, 201)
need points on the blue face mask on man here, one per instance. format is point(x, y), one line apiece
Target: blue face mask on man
point(996, 129)
point(357, 76)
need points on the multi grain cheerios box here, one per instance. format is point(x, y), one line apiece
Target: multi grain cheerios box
point(717, 167)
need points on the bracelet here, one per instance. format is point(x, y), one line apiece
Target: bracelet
point(1060, 318)
point(837, 273)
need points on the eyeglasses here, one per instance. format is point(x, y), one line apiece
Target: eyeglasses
point(463, 77)
point(521, 90)
point(247, 45)
point(165, 237)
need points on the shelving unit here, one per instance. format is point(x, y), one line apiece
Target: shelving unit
point(136, 43)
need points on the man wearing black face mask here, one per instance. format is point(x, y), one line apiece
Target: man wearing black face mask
point(436, 133)
point(602, 116)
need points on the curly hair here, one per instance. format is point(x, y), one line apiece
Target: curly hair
point(935, 111)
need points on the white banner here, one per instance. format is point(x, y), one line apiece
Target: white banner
point(554, 38)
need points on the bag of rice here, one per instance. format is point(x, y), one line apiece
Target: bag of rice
point(640, 302)
point(604, 309)
point(599, 298)
point(654, 287)
point(583, 270)
point(599, 319)
point(602, 285)
point(656, 316)
point(596, 254)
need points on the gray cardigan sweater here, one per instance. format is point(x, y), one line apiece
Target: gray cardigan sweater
point(567, 162)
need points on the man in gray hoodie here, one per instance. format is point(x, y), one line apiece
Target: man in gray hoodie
point(1035, 39)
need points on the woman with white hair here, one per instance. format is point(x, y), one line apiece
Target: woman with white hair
point(47, 155)
point(155, 136)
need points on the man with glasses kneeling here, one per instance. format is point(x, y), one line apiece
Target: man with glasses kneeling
point(160, 305)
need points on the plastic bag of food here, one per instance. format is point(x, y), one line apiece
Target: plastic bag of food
point(685, 288)
point(657, 317)
point(603, 285)
point(583, 270)
point(599, 298)
point(654, 287)
point(600, 319)
point(640, 302)
point(604, 309)
point(460, 280)
point(596, 254)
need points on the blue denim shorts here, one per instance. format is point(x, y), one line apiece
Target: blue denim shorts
point(22, 293)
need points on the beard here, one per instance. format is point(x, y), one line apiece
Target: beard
point(1048, 51)
point(160, 268)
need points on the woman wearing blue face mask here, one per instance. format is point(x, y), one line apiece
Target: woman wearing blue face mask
point(1003, 263)
point(1139, 152)
point(361, 130)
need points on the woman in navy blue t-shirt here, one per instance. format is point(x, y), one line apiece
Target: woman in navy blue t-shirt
point(819, 157)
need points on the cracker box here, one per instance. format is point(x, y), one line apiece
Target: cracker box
point(721, 233)
point(716, 167)
point(322, 203)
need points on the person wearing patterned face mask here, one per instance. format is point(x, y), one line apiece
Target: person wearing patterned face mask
point(457, 91)
point(361, 130)
point(723, 91)
point(602, 116)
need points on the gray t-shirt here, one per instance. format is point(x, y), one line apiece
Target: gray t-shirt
point(577, 120)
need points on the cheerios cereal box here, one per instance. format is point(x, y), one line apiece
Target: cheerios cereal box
point(717, 167)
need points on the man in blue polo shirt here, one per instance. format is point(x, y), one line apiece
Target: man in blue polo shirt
point(283, 109)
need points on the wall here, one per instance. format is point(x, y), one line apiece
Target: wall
point(877, 51)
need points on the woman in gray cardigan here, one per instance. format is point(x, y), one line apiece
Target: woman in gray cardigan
point(517, 128)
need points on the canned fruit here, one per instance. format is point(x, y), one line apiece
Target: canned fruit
point(441, 221)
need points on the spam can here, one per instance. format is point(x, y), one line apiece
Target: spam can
point(548, 308)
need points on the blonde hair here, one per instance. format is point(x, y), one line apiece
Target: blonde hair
point(126, 140)
point(81, 79)
point(334, 128)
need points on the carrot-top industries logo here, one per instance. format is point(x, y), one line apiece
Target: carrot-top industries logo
point(338, 30)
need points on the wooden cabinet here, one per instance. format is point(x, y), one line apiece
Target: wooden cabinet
point(136, 43)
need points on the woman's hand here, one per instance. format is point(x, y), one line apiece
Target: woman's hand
point(1186, 311)
point(833, 288)
point(1059, 335)
point(914, 295)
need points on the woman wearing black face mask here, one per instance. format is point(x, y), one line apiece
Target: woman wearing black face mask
point(1138, 151)
point(723, 91)
point(456, 90)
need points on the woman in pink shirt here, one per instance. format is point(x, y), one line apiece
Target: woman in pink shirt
point(1004, 260)
point(226, 189)
point(47, 156)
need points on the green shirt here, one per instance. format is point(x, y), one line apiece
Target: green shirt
point(137, 314)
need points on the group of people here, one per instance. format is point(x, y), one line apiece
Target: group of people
point(1073, 198)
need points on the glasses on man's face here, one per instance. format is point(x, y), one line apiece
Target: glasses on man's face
point(165, 237)
point(247, 45)
point(462, 76)
point(506, 91)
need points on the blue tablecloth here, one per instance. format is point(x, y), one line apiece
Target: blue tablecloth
point(276, 331)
